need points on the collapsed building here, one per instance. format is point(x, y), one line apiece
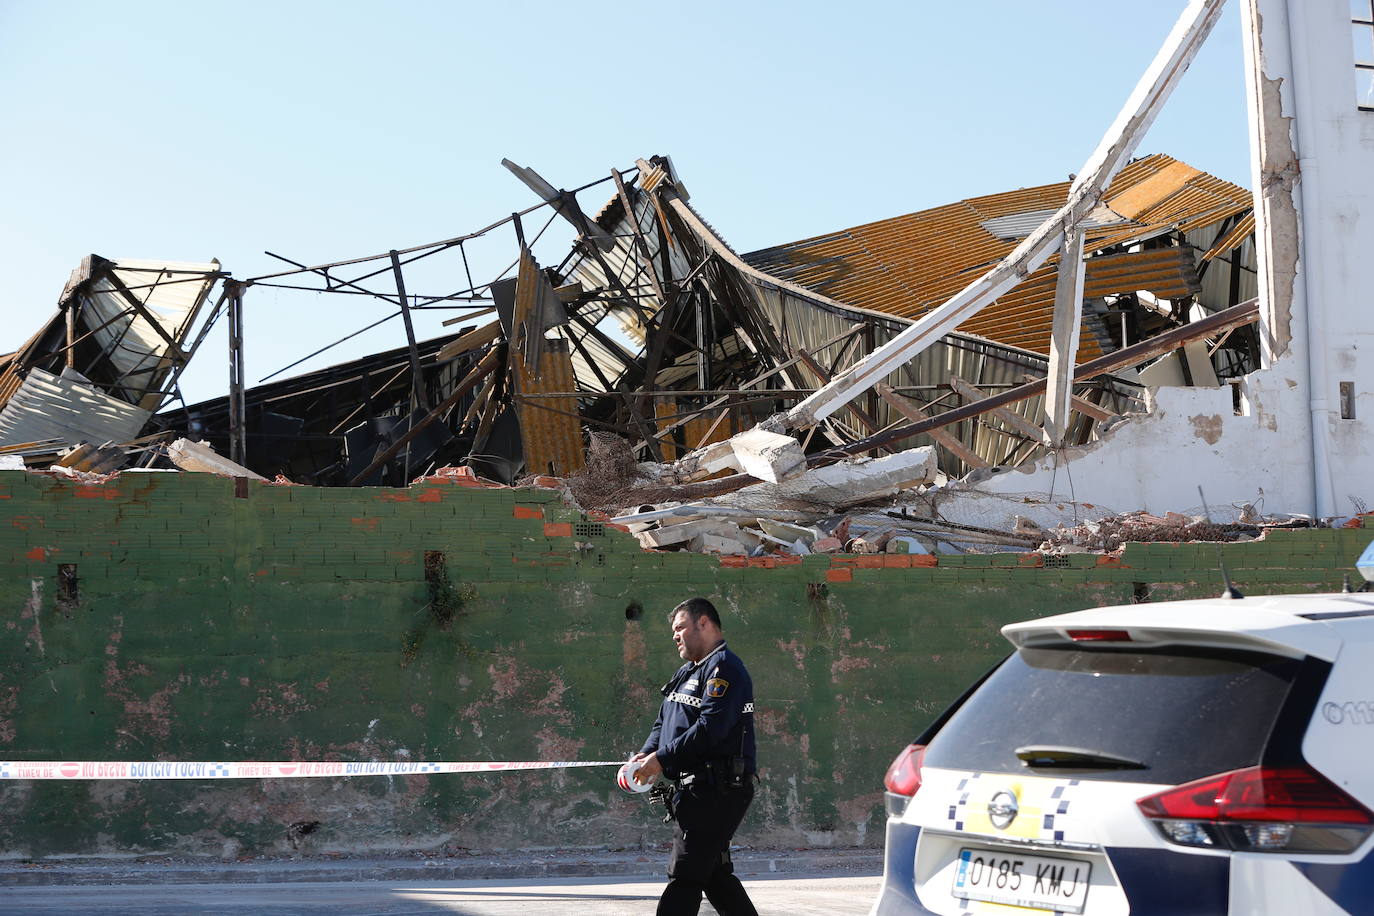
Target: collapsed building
point(653, 340)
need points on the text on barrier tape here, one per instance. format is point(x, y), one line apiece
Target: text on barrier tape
point(279, 769)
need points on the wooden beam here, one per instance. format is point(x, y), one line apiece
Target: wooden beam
point(477, 337)
point(480, 371)
point(909, 409)
point(70, 309)
point(450, 322)
point(1009, 418)
point(1089, 409)
point(1233, 317)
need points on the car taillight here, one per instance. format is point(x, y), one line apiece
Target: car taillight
point(904, 776)
point(903, 779)
point(1261, 809)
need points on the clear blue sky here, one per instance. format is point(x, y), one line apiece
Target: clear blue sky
point(324, 131)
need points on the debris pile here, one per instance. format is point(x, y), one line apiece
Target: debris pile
point(1108, 534)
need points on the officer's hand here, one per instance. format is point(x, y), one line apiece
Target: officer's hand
point(649, 771)
point(638, 757)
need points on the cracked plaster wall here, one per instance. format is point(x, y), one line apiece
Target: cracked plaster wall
point(1190, 438)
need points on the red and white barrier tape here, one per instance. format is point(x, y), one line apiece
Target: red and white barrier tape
point(278, 769)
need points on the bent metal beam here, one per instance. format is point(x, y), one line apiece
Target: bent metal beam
point(1111, 154)
point(1222, 322)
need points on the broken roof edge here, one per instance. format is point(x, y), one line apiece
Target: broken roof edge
point(984, 200)
point(762, 278)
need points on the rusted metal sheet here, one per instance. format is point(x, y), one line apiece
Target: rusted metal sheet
point(665, 412)
point(551, 435)
point(909, 264)
point(1244, 228)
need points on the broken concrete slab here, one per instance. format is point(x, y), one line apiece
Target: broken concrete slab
point(683, 512)
point(847, 483)
point(200, 457)
point(788, 534)
point(688, 531)
point(739, 544)
point(769, 456)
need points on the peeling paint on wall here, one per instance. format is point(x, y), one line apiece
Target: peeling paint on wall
point(1276, 165)
point(1207, 427)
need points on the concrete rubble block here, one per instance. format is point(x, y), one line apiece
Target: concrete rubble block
point(766, 455)
point(789, 534)
point(723, 545)
point(716, 457)
point(199, 457)
point(848, 482)
point(685, 532)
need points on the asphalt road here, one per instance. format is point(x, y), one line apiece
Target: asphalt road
point(792, 895)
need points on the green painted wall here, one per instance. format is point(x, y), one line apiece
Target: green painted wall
point(292, 622)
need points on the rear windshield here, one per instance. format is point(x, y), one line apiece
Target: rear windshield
point(1181, 713)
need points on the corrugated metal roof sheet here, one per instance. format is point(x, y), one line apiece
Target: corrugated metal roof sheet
point(69, 408)
point(1020, 225)
point(910, 264)
point(168, 290)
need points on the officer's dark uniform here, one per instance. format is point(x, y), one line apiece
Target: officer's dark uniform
point(704, 738)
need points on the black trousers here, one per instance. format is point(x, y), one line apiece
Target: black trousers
point(707, 818)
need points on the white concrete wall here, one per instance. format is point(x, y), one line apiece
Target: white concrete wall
point(1190, 438)
point(1288, 451)
point(1313, 168)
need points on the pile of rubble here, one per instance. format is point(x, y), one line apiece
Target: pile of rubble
point(1108, 534)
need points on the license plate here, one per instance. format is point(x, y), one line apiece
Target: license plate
point(1041, 882)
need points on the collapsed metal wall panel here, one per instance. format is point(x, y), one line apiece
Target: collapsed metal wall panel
point(69, 410)
point(550, 432)
point(983, 363)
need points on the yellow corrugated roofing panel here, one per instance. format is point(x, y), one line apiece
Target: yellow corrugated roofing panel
point(910, 264)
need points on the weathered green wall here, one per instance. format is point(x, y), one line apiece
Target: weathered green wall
point(291, 622)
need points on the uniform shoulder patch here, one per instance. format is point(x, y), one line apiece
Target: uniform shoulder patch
point(716, 687)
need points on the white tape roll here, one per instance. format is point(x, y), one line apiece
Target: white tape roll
point(625, 778)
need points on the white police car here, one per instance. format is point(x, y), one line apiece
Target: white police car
point(1188, 757)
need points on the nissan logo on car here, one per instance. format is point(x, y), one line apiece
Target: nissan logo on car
point(1002, 809)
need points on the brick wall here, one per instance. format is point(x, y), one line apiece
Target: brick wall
point(188, 617)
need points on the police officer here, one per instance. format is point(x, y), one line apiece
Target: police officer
point(703, 740)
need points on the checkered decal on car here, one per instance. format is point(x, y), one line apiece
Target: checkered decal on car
point(1043, 806)
point(965, 789)
point(1062, 807)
